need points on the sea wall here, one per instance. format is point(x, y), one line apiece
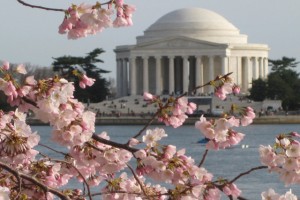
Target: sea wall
point(190, 121)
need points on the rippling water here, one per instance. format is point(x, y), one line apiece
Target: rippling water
point(223, 163)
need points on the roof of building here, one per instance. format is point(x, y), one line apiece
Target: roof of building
point(195, 23)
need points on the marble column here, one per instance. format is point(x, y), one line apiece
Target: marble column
point(133, 76)
point(145, 74)
point(224, 66)
point(266, 68)
point(248, 71)
point(211, 75)
point(199, 73)
point(255, 68)
point(158, 83)
point(260, 65)
point(171, 74)
point(124, 78)
point(119, 78)
point(186, 73)
point(239, 71)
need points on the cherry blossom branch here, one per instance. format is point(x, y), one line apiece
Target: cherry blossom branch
point(247, 172)
point(203, 158)
point(70, 164)
point(60, 152)
point(114, 144)
point(34, 181)
point(144, 128)
point(221, 186)
point(51, 9)
point(80, 174)
point(137, 179)
point(40, 7)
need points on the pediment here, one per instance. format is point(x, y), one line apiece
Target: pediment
point(180, 43)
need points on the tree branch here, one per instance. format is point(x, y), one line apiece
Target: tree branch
point(247, 172)
point(40, 7)
point(138, 180)
point(144, 128)
point(114, 144)
point(34, 181)
point(203, 158)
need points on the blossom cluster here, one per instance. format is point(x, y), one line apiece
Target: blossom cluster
point(224, 85)
point(52, 101)
point(83, 20)
point(16, 139)
point(166, 164)
point(283, 158)
point(272, 195)
point(97, 161)
point(174, 111)
point(16, 146)
point(124, 187)
point(171, 166)
point(247, 114)
point(219, 132)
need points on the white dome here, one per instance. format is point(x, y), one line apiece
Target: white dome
point(195, 23)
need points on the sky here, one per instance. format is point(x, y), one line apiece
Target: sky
point(31, 35)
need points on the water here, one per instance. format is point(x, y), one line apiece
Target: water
point(223, 163)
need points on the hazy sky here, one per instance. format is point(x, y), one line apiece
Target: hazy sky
point(31, 35)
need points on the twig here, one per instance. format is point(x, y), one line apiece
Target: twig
point(94, 147)
point(138, 180)
point(51, 9)
point(114, 144)
point(80, 174)
point(203, 158)
point(247, 172)
point(34, 181)
point(144, 128)
point(40, 7)
point(60, 152)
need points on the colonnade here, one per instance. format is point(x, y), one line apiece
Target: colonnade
point(179, 74)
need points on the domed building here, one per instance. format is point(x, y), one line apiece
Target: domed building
point(187, 48)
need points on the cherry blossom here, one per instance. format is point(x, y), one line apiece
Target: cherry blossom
point(219, 132)
point(283, 158)
point(4, 193)
point(83, 20)
point(175, 110)
point(272, 195)
point(86, 81)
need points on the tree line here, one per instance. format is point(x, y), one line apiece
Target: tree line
point(282, 83)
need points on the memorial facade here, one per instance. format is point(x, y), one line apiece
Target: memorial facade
point(187, 48)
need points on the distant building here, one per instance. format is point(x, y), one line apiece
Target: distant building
point(187, 48)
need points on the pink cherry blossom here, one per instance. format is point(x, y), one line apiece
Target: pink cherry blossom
point(4, 193)
point(293, 150)
point(21, 69)
point(269, 195)
point(231, 189)
point(288, 196)
point(83, 20)
point(219, 132)
point(152, 136)
point(86, 81)
point(5, 65)
point(148, 97)
point(236, 89)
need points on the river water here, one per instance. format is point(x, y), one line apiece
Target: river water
point(223, 163)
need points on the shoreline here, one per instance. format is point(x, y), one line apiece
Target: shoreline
point(293, 119)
